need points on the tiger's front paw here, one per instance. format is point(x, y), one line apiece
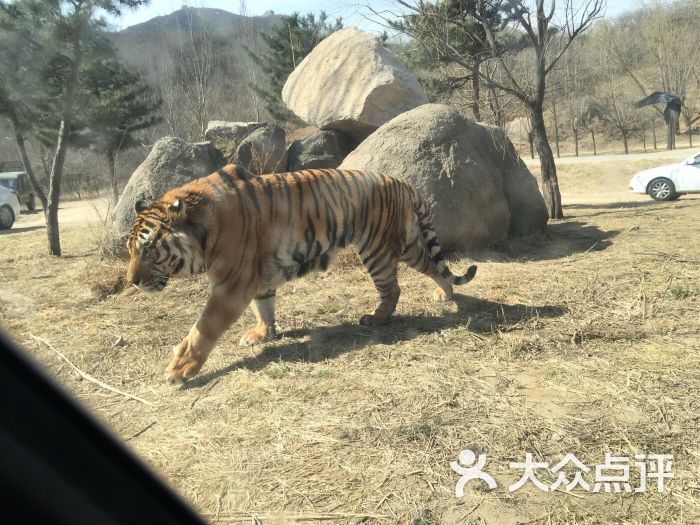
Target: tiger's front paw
point(257, 335)
point(442, 296)
point(185, 365)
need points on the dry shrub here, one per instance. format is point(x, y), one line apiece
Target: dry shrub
point(106, 278)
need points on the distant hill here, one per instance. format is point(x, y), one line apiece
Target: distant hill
point(141, 44)
point(219, 22)
point(175, 51)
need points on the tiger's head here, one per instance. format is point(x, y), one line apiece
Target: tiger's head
point(162, 244)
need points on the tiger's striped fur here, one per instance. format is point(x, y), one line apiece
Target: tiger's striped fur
point(253, 234)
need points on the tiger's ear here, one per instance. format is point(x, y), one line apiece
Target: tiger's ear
point(177, 206)
point(140, 206)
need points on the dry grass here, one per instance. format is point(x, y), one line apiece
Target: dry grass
point(584, 340)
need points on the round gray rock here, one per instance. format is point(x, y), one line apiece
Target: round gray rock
point(171, 163)
point(528, 211)
point(264, 150)
point(350, 83)
point(469, 175)
point(221, 130)
point(325, 149)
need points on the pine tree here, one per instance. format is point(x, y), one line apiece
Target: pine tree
point(291, 39)
point(56, 37)
point(446, 33)
point(116, 104)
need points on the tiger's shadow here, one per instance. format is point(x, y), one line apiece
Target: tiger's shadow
point(327, 342)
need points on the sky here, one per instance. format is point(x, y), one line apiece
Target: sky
point(354, 12)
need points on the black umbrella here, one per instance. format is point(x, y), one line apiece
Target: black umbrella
point(672, 112)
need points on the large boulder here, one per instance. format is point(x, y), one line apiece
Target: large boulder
point(528, 211)
point(224, 131)
point(263, 150)
point(325, 149)
point(469, 175)
point(171, 163)
point(350, 83)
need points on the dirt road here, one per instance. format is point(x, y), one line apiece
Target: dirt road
point(671, 156)
point(71, 212)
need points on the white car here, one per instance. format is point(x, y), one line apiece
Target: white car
point(667, 183)
point(9, 208)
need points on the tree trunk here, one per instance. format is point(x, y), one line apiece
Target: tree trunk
point(549, 182)
point(55, 190)
point(59, 158)
point(556, 126)
point(530, 140)
point(112, 172)
point(671, 135)
point(291, 46)
point(595, 150)
point(653, 131)
point(644, 138)
point(690, 134)
point(575, 142)
point(624, 141)
point(476, 91)
point(495, 106)
point(19, 138)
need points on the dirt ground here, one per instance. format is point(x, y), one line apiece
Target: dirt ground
point(80, 213)
point(584, 340)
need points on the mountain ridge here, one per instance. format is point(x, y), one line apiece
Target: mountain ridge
point(219, 21)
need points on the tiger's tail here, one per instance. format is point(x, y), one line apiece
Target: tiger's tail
point(431, 259)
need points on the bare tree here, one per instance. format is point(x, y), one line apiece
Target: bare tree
point(187, 70)
point(573, 89)
point(586, 114)
point(556, 124)
point(619, 114)
point(539, 36)
point(574, 119)
point(250, 42)
point(162, 77)
point(590, 117)
point(502, 106)
point(690, 116)
point(198, 74)
point(675, 49)
point(548, 42)
point(668, 40)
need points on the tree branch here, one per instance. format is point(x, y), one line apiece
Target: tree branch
point(591, 11)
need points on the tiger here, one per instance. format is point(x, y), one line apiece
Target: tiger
point(251, 234)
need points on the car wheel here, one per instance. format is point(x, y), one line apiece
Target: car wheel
point(7, 218)
point(661, 190)
point(675, 197)
point(31, 203)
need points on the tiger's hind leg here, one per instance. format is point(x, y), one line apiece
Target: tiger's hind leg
point(416, 256)
point(263, 307)
point(382, 267)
